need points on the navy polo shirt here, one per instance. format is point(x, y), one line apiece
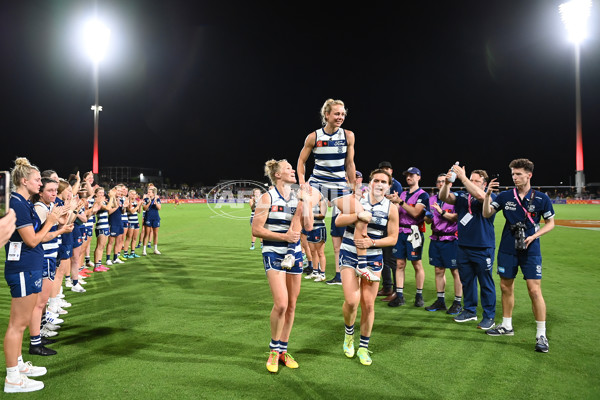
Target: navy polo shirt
point(31, 259)
point(479, 231)
point(538, 208)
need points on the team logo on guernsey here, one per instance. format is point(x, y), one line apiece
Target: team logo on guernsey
point(277, 208)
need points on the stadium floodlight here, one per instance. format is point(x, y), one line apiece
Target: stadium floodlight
point(96, 37)
point(575, 15)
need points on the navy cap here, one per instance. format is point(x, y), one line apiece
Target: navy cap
point(385, 164)
point(412, 170)
point(358, 174)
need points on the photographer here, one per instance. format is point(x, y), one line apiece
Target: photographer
point(523, 209)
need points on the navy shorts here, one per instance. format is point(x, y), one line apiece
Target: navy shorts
point(134, 225)
point(337, 231)
point(116, 230)
point(65, 251)
point(442, 253)
point(49, 270)
point(508, 266)
point(125, 224)
point(102, 231)
point(350, 260)
point(78, 241)
point(152, 223)
point(23, 284)
point(272, 261)
point(404, 249)
point(317, 235)
point(89, 231)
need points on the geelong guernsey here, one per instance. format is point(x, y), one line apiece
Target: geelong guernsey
point(330, 158)
point(376, 229)
point(279, 220)
point(50, 247)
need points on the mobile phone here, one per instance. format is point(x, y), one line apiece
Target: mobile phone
point(4, 192)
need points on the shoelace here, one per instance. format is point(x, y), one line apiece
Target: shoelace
point(364, 354)
point(28, 365)
point(286, 357)
point(273, 357)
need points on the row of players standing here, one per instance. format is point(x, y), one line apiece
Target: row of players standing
point(463, 237)
point(50, 236)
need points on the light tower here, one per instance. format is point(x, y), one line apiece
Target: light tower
point(96, 40)
point(575, 15)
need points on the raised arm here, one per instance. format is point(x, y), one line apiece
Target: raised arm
point(350, 166)
point(487, 210)
point(309, 144)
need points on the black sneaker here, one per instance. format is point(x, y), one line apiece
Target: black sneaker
point(541, 344)
point(41, 351)
point(419, 301)
point(334, 281)
point(46, 341)
point(398, 301)
point(307, 270)
point(455, 308)
point(438, 305)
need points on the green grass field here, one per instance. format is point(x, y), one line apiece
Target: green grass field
point(194, 323)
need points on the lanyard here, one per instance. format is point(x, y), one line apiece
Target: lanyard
point(469, 202)
point(527, 213)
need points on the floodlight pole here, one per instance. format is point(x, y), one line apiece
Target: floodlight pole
point(96, 108)
point(575, 14)
point(579, 175)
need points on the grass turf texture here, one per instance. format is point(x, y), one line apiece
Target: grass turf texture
point(194, 323)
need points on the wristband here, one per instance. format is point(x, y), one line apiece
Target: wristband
point(443, 212)
point(401, 203)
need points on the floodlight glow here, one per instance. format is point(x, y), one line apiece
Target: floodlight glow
point(575, 15)
point(96, 40)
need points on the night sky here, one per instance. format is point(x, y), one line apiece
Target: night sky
point(210, 90)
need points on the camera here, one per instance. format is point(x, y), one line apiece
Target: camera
point(518, 231)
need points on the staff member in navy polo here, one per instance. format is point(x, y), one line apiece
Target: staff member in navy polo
point(523, 209)
point(476, 245)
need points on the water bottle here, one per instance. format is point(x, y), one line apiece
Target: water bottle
point(453, 174)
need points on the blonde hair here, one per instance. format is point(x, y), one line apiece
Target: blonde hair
point(63, 185)
point(271, 168)
point(21, 170)
point(327, 108)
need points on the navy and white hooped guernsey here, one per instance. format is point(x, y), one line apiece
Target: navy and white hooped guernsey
point(133, 218)
point(50, 247)
point(102, 222)
point(330, 159)
point(279, 220)
point(377, 228)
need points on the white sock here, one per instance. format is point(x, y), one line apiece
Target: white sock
point(155, 247)
point(541, 329)
point(53, 304)
point(13, 375)
point(507, 323)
